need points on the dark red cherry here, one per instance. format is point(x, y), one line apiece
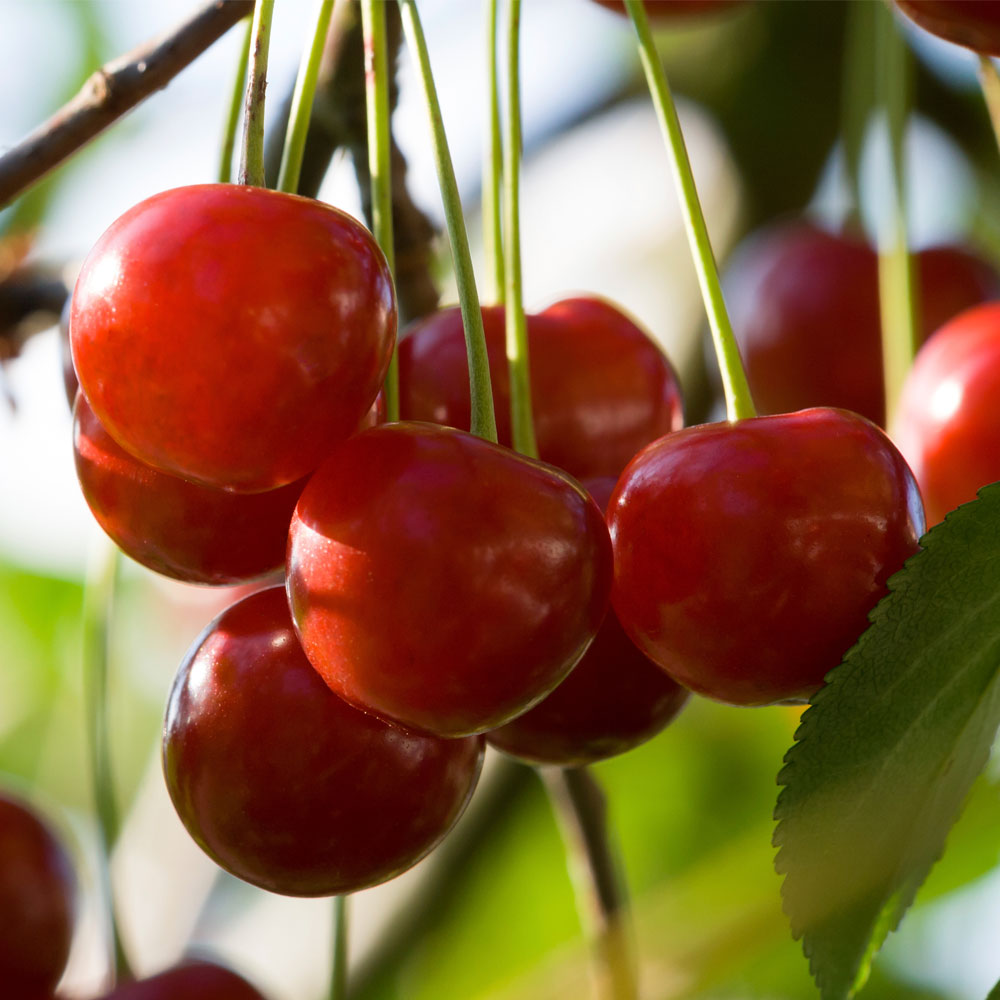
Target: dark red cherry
point(748, 555)
point(972, 23)
point(287, 786)
point(600, 387)
point(191, 980)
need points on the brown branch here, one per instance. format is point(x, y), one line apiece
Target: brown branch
point(112, 91)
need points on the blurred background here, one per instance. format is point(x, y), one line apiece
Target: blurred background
point(490, 915)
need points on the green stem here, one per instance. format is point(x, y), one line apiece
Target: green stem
point(483, 421)
point(235, 106)
point(989, 81)
point(857, 95)
point(302, 102)
point(98, 601)
point(252, 156)
point(493, 160)
point(521, 421)
point(897, 298)
point(739, 402)
point(338, 949)
point(379, 158)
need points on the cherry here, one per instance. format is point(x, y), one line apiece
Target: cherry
point(805, 312)
point(37, 900)
point(947, 424)
point(748, 555)
point(285, 785)
point(443, 581)
point(232, 335)
point(191, 980)
point(972, 23)
point(600, 387)
point(615, 698)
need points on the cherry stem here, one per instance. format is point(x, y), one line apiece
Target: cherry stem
point(989, 82)
point(302, 102)
point(252, 156)
point(338, 950)
point(380, 158)
point(739, 402)
point(896, 279)
point(235, 107)
point(493, 160)
point(581, 810)
point(98, 601)
point(521, 421)
point(857, 92)
point(483, 422)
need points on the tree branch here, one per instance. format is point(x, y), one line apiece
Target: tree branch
point(112, 91)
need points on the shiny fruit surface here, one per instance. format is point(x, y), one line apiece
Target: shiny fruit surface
point(232, 335)
point(285, 785)
point(972, 23)
point(178, 528)
point(601, 388)
point(37, 903)
point(748, 555)
point(191, 980)
point(443, 581)
point(947, 424)
point(614, 699)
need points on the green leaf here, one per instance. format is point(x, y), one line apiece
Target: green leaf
point(889, 747)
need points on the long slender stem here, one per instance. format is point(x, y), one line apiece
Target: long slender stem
point(252, 156)
point(338, 948)
point(483, 420)
point(857, 94)
point(380, 158)
point(97, 607)
point(302, 101)
point(739, 402)
point(989, 82)
point(235, 106)
point(521, 420)
point(493, 160)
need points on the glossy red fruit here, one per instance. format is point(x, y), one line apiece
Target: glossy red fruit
point(192, 980)
point(748, 555)
point(181, 529)
point(972, 23)
point(614, 699)
point(37, 902)
point(600, 387)
point(947, 424)
point(283, 783)
point(232, 335)
point(805, 311)
point(444, 581)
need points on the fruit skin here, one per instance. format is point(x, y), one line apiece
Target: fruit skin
point(443, 581)
point(972, 23)
point(37, 903)
point(748, 555)
point(191, 980)
point(614, 699)
point(805, 311)
point(601, 388)
point(285, 785)
point(232, 335)
point(947, 424)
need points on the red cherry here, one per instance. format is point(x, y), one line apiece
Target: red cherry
point(175, 527)
point(805, 312)
point(748, 555)
point(615, 698)
point(972, 23)
point(37, 891)
point(444, 581)
point(192, 980)
point(232, 335)
point(947, 424)
point(601, 388)
point(287, 786)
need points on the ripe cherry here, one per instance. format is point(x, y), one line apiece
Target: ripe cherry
point(972, 23)
point(614, 699)
point(805, 311)
point(285, 785)
point(37, 900)
point(191, 980)
point(748, 555)
point(947, 424)
point(443, 581)
point(600, 387)
point(232, 335)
